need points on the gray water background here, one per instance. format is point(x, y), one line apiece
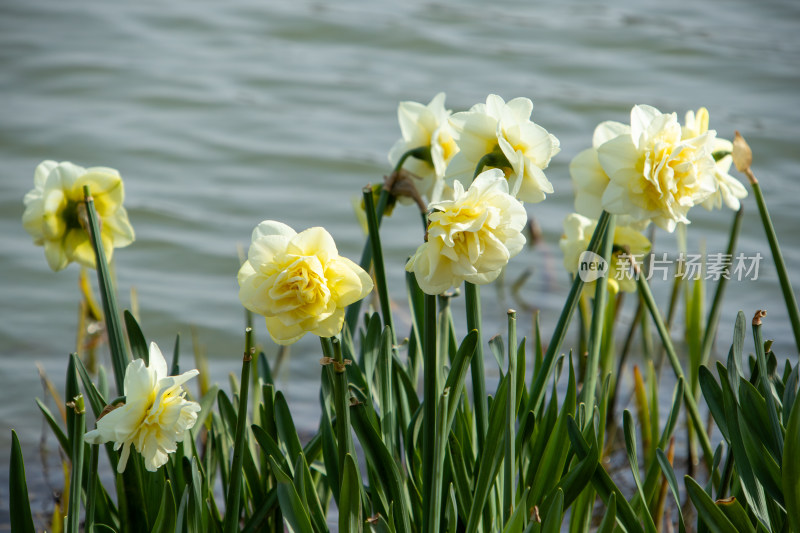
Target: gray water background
point(220, 115)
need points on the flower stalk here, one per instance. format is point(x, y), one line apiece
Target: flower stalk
point(509, 486)
point(377, 255)
point(548, 362)
point(688, 397)
point(598, 319)
point(119, 355)
point(75, 484)
point(743, 158)
point(233, 501)
point(430, 397)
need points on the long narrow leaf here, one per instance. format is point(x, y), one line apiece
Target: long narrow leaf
point(19, 505)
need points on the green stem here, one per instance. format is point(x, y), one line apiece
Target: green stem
point(331, 347)
point(548, 363)
point(716, 305)
point(78, 446)
point(91, 491)
point(351, 315)
point(119, 355)
point(511, 420)
point(598, 319)
point(235, 483)
point(777, 257)
point(472, 296)
point(440, 444)
point(688, 397)
point(377, 254)
point(422, 153)
point(429, 401)
point(495, 159)
point(761, 359)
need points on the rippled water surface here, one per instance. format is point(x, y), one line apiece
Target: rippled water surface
point(220, 115)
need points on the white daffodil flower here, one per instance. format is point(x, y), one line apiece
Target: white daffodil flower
point(654, 173)
point(729, 189)
point(471, 237)
point(425, 126)
point(154, 417)
point(521, 148)
point(52, 212)
point(299, 282)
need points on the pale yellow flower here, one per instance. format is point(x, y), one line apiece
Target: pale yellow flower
point(591, 180)
point(299, 282)
point(522, 148)
point(154, 417)
point(578, 231)
point(729, 189)
point(653, 172)
point(425, 126)
point(53, 212)
point(471, 237)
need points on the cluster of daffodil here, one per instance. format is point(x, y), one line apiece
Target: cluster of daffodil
point(514, 460)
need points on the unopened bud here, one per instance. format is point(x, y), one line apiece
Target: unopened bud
point(742, 155)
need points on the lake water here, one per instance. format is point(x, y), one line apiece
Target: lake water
point(220, 115)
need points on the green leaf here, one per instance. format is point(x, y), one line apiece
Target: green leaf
point(305, 489)
point(489, 461)
point(790, 475)
point(610, 517)
point(497, 347)
point(180, 521)
point(602, 481)
point(206, 407)
point(19, 505)
point(285, 425)
point(63, 440)
point(517, 519)
point(96, 399)
point(552, 461)
point(790, 393)
point(292, 506)
point(734, 511)
point(227, 413)
point(630, 447)
point(350, 498)
point(763, 464)
point(552, 522)
point(165, 521)
point(457, 375)
point(378, 456)
point(753, 491)
point(370, 347)
point(707, 511)
point(713, 396)
point(136, 338)
point(175, 368)
point(672, 481)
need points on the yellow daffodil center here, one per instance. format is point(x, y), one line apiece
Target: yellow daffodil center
point(301, 287)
